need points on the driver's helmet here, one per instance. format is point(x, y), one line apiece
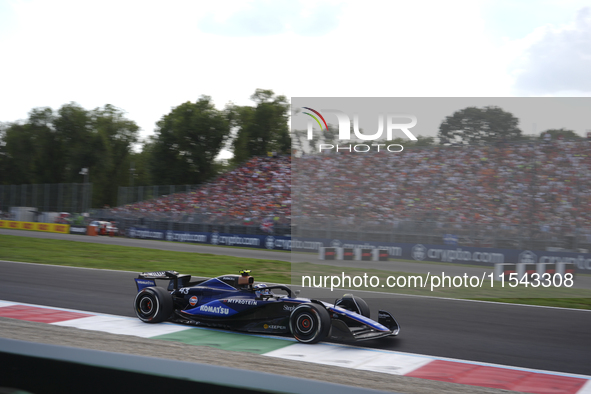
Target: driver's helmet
point(261, 290)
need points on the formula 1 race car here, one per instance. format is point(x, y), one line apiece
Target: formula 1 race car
point(234, 302)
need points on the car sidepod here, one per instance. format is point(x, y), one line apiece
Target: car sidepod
point(240, 313)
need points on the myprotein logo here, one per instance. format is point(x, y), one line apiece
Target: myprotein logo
point(390, 125)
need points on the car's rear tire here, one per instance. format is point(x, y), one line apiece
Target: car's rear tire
point(309, 323)
point(355, 304)
point(153, 305)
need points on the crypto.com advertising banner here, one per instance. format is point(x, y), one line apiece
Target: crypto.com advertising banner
point(486, 173)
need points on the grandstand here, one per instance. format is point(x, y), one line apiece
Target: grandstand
point(248, 197)
point(512, 195)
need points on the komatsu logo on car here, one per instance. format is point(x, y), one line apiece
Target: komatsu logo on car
point(242, 302)
point(145, 282)
point(214, 309)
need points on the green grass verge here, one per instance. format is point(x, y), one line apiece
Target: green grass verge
point(90, 255)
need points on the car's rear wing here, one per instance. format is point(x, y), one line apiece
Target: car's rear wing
point(176, 280)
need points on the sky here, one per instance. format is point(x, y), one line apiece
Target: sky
point(147, 57)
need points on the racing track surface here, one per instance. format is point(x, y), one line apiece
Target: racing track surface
point(532, 337)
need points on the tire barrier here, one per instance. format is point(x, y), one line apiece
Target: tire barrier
point(524, 272)
point(363, 254)
point(345, 254)
point(565, 268)
point(504, 270)
point(359, 254)
point(327, 253)
point(546, 268)
point(380, 255)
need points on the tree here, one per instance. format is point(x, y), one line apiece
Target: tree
point(117, 135)
point(261, 129)
point(474, 125)
point(4, 159)
point(33, 150)
point(48, 157)
point(52, 147)
point(241, 118)
point(301, 143)
point(423, 141)
point(82, 144)
point(18, 148)
point(187, 141)
point(141, 164)
point(564, 133)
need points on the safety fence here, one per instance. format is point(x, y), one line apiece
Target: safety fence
point(47, 197)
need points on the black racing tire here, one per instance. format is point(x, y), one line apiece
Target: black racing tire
point(309, 323)
point(354, 304)
point(153, 305)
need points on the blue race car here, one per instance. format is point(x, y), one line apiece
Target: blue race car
point(234, 302)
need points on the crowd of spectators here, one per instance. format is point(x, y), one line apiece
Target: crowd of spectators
point(255, 193)
point(541, 188)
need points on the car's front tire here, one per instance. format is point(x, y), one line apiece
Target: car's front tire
point(153, 305)
point(309, 323)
